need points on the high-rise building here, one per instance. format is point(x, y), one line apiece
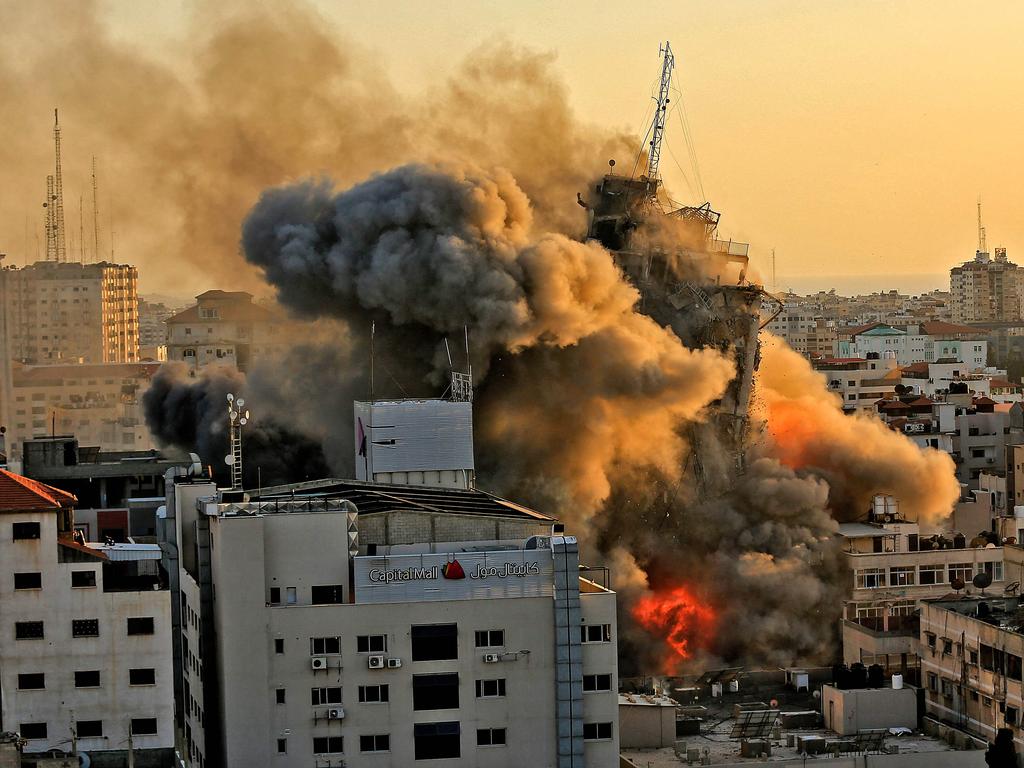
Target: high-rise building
point(71, 313)
point(986, 290)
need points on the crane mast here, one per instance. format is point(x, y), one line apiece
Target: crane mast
point(668, 63)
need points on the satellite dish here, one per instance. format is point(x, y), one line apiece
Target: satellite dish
point(246, 413)
point(957, 584)
point(982, 580)
point(241, 402)
point(243, 421)
point(611, 163)
point(233, 415)
point(229, 459)
point(230, 397)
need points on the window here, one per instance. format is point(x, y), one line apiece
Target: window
point(85, 627)
point(24, 532)
point(995, 570)
point(325, 696)
point(292, 595)
point(972, 656)
point(902, 576)
point(143, 726)
point(282, 746)
point(89, 678)
point(326, 745)
point(974, 695)
point(372, 643)
point(329, 594)
point(322, 646)
point(142, 676)
point(1013, 666)
point(435, 642)
point(490, 737)
point(32, 730)
point(278, 645)
point(1010, 715)
point(436, 740)
point(33, 681)
point(933, 681)
point(977, 453)
point(435, 691)
point(593, 683)
point(373, 694)
point(279, 695)
point(490, 689)
point(89, 729)
point(947, 646)
point(933, 574)
point(28, 630)
point(28, 581)
point(490, 638)
point(376, 743)
point(962, 571)
point(597, 731)
point(870, 578)
point(140, 626)
point(83, 578)
point(275, 595)
point(596, 633)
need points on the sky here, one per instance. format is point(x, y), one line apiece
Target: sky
point(853, 138)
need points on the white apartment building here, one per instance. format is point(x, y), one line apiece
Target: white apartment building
point(805, 330)
point(860, 383)
point(223, 328)
point(928, 342)
point(86, 640)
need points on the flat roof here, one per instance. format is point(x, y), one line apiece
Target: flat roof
point(371, 498)
point(860, 530)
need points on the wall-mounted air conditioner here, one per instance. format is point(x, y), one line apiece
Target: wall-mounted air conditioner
point(375, 662)
point(394, 663)
point(492, 658)
point(335, 714)
point(318, 662)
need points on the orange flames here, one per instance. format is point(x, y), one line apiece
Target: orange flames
point(681, 618)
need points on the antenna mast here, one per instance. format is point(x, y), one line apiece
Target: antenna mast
point(58, 199)
point(48, 221)
point(95, 215)
point(981, 231)
point(237, 418)
point(668, 63)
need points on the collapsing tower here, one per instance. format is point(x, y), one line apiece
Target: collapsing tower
point(689, 279)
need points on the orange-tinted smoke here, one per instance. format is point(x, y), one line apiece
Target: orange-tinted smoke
point(684, 620)
point(858, 455)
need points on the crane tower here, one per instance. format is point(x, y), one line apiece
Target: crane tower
point(668, 63)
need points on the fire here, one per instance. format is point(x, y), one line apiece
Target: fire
point(678, 615)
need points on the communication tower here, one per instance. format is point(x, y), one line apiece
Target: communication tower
point(57, 201)
point(237, 418)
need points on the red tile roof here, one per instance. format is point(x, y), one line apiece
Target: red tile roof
point(21, 494)
point(859, 329)
point(922, 400)
point(984, 401)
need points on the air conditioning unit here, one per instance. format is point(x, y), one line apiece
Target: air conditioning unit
point(375, 662)
point(394, 663)
point(318, 662)
point(335, 714)
point(492, 658)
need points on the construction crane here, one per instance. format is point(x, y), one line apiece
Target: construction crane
point(657, 131)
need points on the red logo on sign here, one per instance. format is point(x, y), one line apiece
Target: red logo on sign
point(453, 570)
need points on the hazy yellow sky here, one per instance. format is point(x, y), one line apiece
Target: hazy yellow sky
point(853, 137)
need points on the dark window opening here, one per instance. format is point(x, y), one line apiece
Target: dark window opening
point(143, 726)
point(28, 581)
point(32, 730)
point(490, 737)
point(372, 644)
point(326, 745)
point(144, 676)
point(435, 691)
point(596, 633)
point(83, 578)
point(89, 678)
point(490, 638)
point(141, 626)
point(325, 696)
point(489, 689)
point(28, 630)
point(282, 746)
point(597, 683)
point(373, 694)
point(279, 695)
point(89, 729)
point(32, 681)
point(329, 594)
point(376, 743)
point(278, 645)
point(322, 646)
point(597, 731)
point(434, 741)
point(435, 642)
point(25, 532)
point(275, 595)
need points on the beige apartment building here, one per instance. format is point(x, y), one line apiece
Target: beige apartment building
point(223, 328)
point(860, 383)
point(71, 313)
point(86, 639)
point(893, 569)
point(986, 290)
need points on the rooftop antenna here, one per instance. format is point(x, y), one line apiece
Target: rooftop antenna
point(775, 281)
point(58, 199)
point(462, 383)
point(981, 230)
point(237, 418)
point(95, 215)
point(81, 230)
point(373, 332)
point(668, 63)
point(48, 220)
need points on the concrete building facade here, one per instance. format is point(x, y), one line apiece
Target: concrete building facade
point(71, 313)
point(986, 289)
point(86, 645)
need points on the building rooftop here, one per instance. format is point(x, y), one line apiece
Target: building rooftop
point(1005, 612)
point(379, 497)
point(20, 494)
point(55, 375)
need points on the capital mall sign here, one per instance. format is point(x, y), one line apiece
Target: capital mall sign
point(453, 570)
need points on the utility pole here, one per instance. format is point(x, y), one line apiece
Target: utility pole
point(668, 63)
